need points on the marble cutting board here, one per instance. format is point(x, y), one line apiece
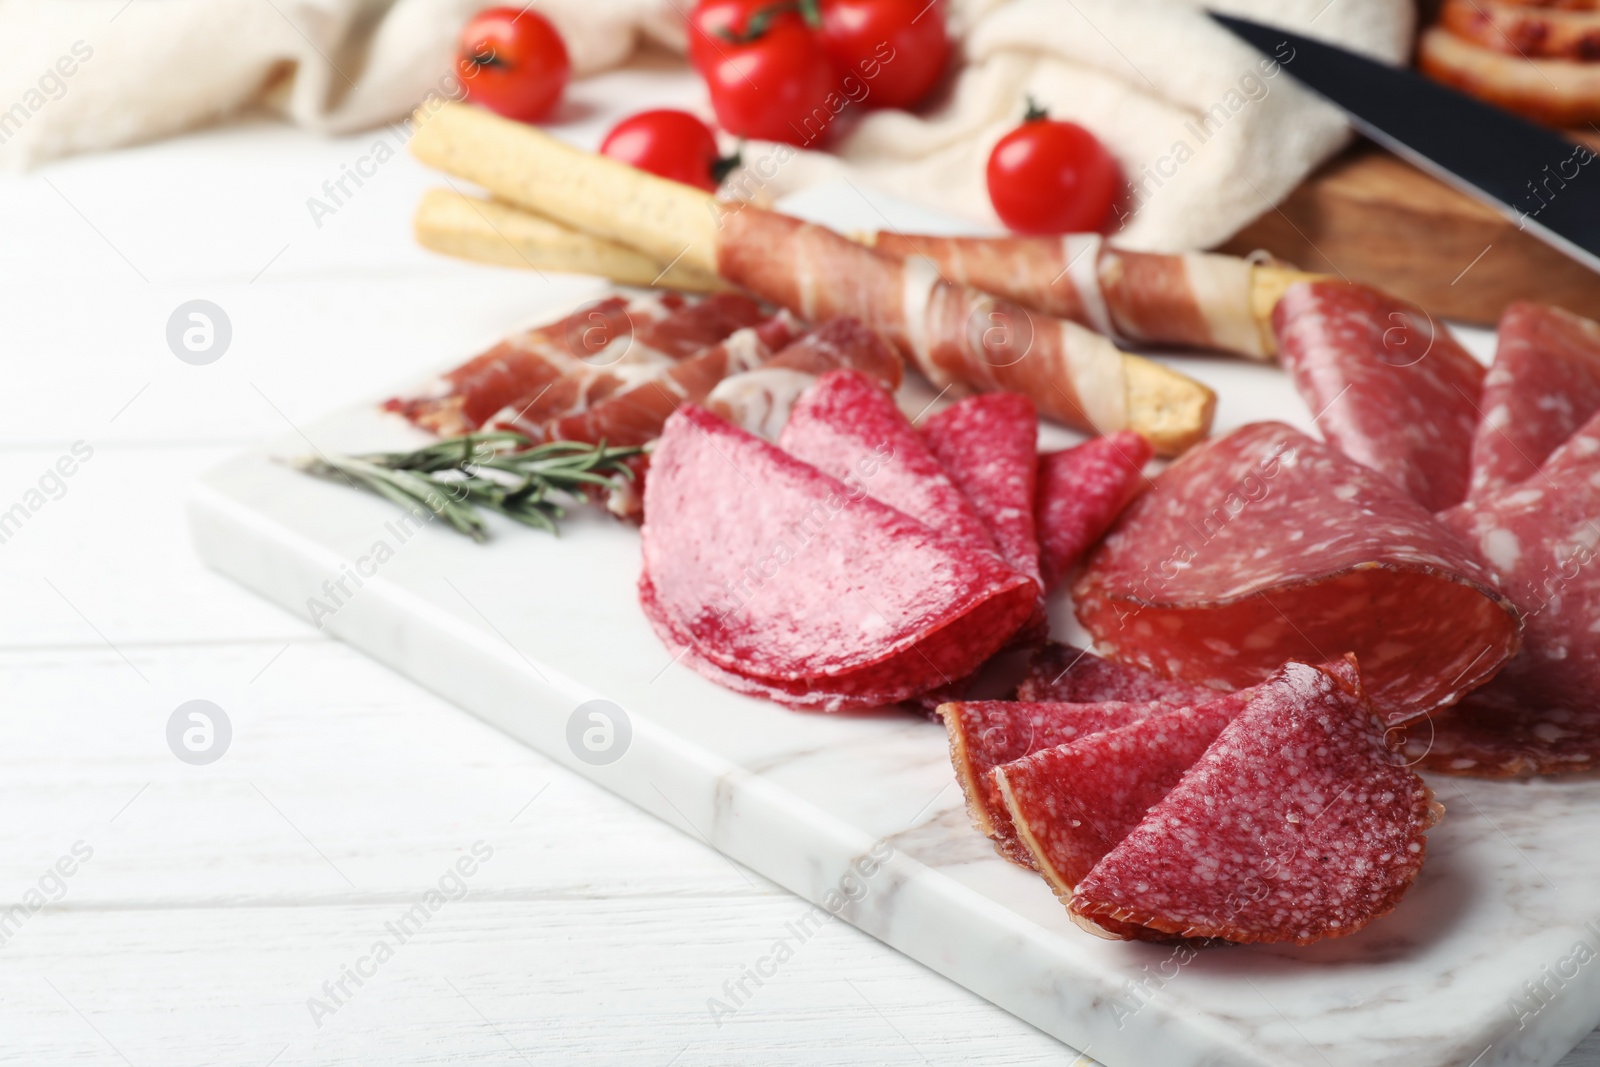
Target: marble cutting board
point(1492, 959)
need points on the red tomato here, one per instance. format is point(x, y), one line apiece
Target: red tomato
point(513, 62)
point(1047, 176)
point(776, 83)
point(714, 25)
point(672, 144)
point(896, 49)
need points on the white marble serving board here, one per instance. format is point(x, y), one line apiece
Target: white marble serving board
point(1488, 961)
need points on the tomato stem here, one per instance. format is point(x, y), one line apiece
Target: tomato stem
point(726, 165)
point(760, 20)
point(1034, 112)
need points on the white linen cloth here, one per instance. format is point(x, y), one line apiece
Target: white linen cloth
point(1208, 134)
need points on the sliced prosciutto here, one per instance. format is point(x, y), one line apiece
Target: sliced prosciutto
point(1544, 385)
point(760, 400)
point(989, 445)
point(1060, 672)
point(1386, 383)
point(847, 426)
point(1541, 715)
point(647, 354)
point(1081, 491)
point(814, 592)
point(984, 734)
point(1194, 300)
point(1298, 823)
point(1265, 546)
point(635, 416)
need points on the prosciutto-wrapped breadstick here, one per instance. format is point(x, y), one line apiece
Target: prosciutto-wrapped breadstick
point(1193, 300)
point(956, 335)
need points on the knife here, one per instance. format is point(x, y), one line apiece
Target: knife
point(1546, 184)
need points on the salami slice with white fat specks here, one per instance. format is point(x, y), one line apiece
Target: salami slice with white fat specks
point(987, 733)
point(1542, 538)
point(767, 568)
point(847, 426)
point(1059, 672)
point(1265, 546)
point(1543, 386)
point(1298, 823)
point(1386, 383)
point(1073, 803)
point(1081, 492)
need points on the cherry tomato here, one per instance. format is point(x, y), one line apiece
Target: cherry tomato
point(672, 144)
point(714, 24)
point(1048, 176)
point(775, 82)
point(896, 49)
point(513, 62)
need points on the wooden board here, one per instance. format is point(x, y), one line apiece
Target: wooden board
point(1373, 218)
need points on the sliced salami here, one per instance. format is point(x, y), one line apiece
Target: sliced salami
point(1297, 824)
point(987, 733)
point(770, 569)
point(1387, 384)
point(989, 446)
point(1071, 804)
point(849, 427)
point(1544, 385)
point(1539, 715)
point(1081, 491)
point(1265, 546)
point(1059, 672)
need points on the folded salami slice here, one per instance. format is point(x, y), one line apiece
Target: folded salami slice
point(989, 445)
point(1265, 546)
point(1543, 386)
point(987, 733)
point(849, 427)
point(1297, 824)
point(1541, 715)
point(1388, 385)
point(1081, 491)
point(1071, 804)
point(770, 569)
point(1060, 672)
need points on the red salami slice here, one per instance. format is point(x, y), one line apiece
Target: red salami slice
point(1297, 824)
point(771, 569)
point(1081, 492)
point(1265, 546)
point(1071, 804)
point(1544, 385)
point(987, 733)
point(848, 427)
point(1388, 386)
point(1061, 672)
point(989, 446)
point(1540, 715)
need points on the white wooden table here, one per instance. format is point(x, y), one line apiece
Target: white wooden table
point(217, 900)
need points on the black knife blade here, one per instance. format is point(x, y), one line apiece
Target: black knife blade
point(1546, 184)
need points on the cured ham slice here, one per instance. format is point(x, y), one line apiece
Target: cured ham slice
point(1540, 715)
point(1389, 386)
point(635, 416)
point(1558, 92)
point(1071, 804)
point(1543, 386)
point(1297, 824)
point(1265, 546)
point(770, 571)
point(1060, 672)
point(1194, 300)
point(645, 355)
point(989, 447)
point(760, 400)
point(958, 336)
point(1081, 491)
point(1525, 31)
point(984, 734)
point(848, 427)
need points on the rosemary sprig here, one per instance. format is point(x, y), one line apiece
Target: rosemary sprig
point(503, 472)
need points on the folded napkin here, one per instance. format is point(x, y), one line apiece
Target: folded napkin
point(1209, 133)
